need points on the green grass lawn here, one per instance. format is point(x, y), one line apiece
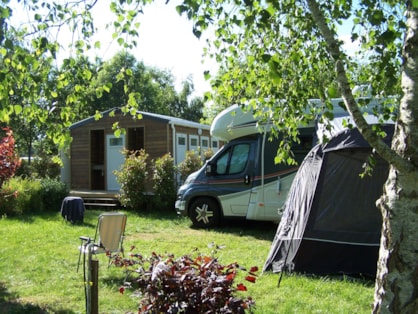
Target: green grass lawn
point(39, 254)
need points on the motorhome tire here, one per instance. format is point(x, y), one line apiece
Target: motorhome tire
point(204, 213)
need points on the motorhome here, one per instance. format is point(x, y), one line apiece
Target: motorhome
point(242, 179)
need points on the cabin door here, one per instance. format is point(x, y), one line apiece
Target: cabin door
point(181, 147)
point(97, 160)
point(114, 158)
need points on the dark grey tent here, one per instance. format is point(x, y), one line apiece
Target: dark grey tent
point(330, 223)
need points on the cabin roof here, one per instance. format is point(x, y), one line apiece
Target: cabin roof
point(150, 115)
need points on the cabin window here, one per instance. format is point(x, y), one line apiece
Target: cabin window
point(194, 143)
point(116, 141)
point(204, 145)
point(136, 139)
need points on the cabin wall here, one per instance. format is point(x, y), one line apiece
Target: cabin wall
point(159, 137)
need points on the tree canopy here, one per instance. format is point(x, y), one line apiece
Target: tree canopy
point(49, 79)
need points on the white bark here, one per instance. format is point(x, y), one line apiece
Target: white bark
point(396, 289)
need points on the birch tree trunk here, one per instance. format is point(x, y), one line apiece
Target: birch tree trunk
point(396, 289)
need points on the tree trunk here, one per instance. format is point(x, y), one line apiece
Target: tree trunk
point(396, 289)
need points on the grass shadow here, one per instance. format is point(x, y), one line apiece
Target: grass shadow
point(261, 230)
point(163, 214)
point(9, 304)
point(367, 281)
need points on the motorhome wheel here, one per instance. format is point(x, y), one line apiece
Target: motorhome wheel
point(204, 212)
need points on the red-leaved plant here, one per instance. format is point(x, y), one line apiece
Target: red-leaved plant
point(9, 161)
point(188, 284)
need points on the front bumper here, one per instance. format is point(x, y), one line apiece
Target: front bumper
point(181, 207)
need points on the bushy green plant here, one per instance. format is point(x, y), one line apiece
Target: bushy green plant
point(24, 171)
point(53, 192)
point(191, 163)
point(132, 178)
point(192, 283)
point(8, 201)
point(164, 182)
point(207, 154)
point(45, 167)
point(21, 196)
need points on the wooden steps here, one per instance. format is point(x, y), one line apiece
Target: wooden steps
point(106, 200)
point(101, 202)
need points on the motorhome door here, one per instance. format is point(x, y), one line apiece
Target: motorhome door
point(233, 178)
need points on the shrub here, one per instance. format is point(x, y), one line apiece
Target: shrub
point(9, 161)
point(164, 182)
point(45, 167)
point(8, 201)
point(21, 196)
point(190, 164)
point(207, 154)
point(132, 178)
point(53, 192)
point(189, 284)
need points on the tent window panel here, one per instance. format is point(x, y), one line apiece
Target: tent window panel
point(136, 139)
point(346, 212)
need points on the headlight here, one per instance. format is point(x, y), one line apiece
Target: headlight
point(190, 178)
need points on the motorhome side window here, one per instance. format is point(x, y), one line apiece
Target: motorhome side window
point(233, 160)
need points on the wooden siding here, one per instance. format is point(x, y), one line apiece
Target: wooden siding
point(158, 140)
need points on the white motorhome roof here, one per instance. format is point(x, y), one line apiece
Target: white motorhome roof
point(233, 122)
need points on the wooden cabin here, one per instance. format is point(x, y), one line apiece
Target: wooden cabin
point(95, 151)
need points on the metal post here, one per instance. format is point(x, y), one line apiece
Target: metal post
point(89, 278)
point(94, 287)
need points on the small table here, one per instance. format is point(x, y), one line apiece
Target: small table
point(72, 209)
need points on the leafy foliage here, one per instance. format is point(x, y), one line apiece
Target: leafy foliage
point(20, 196)
point(164, 182)
point(133, 178)
point(9, 161)
point(191, 163)
point(48, 80)
point(193, 283)
point(53, 191)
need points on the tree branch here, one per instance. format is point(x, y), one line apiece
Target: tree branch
point(365, 129)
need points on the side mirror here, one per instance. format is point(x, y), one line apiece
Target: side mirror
point(210, 169)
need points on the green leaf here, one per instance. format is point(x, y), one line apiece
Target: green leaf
point(17, 109)
point(332, 92)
